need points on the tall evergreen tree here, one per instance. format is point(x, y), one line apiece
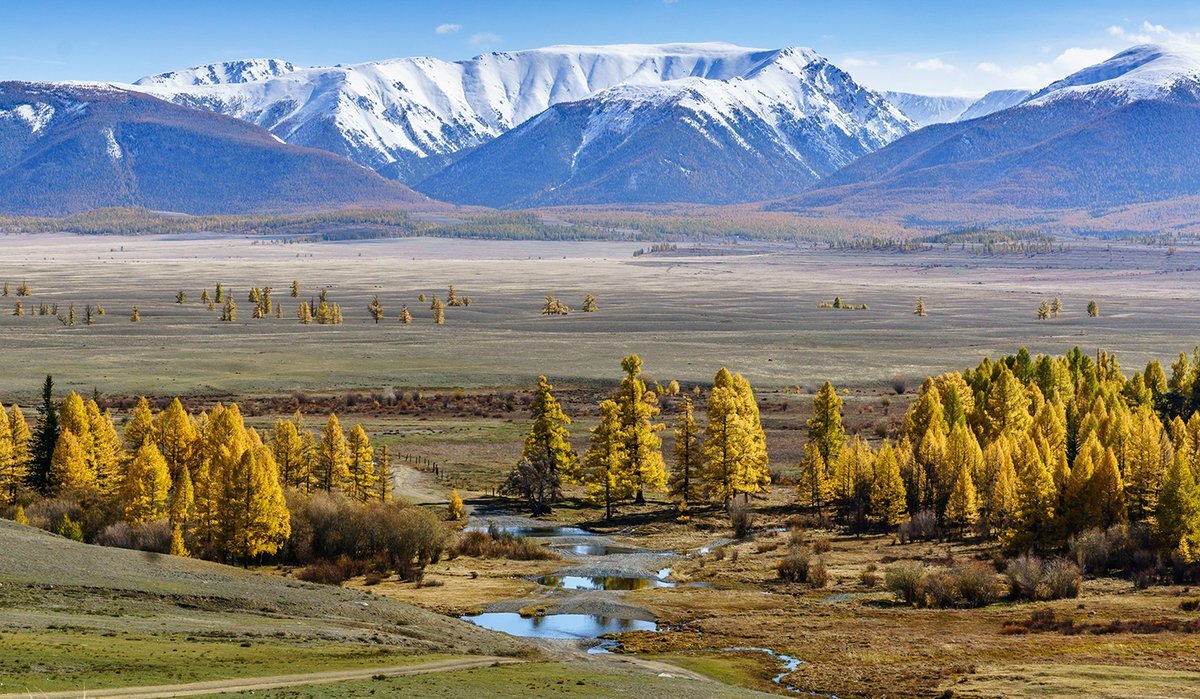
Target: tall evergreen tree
point(69, 472)
point(331, 469)
point(888, 496)
point(825, 426)
point(45, 439)
point(641, 445)
point(361, 464)
point(146, 487)
point(605, 465)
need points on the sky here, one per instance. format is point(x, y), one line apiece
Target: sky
point(932, 47)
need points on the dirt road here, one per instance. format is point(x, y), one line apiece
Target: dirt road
point(247, 684)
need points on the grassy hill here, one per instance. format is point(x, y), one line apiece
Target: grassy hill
point(81, 616)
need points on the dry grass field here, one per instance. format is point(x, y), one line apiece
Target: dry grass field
point(752, 308)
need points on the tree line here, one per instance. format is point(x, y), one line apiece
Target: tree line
point(217, 483)
point(1033, 450)
point(725, 458)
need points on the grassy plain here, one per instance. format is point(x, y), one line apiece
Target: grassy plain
point(752, 307)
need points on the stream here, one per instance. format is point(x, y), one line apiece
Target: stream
point(598, 571)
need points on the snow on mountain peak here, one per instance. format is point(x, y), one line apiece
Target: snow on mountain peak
point(231, 72)
point(406, 116)
point(1148, 71)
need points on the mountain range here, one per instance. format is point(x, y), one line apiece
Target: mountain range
point(67, 148)
point(629, 124)
point(1118, 133)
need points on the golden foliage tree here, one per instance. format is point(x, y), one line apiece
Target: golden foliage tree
point(146, 487)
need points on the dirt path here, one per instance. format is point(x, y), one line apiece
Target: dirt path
point(248, 684)
point(416, 486)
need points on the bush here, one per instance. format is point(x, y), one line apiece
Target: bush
point(326, 572)
point(46, 514)
point(817, 576)
point(69, 529)
point(794, 568)
point(939, 588)
point(1033, 579)
point(151, 536)
point(920, 527)
point(822, 546)
point(904, 580)
point(1024, 575)
point(497, 543)
point(1062, 579)
point(869, 576)
point(976, 583)
point(741, 517)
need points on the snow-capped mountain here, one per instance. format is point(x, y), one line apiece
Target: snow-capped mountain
point(66, 148)
point(781, 123)
point(407, 117)
point(928, 109)
point(993, 102)
point(1120, 132)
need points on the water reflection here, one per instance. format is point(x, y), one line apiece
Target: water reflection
point(580, 582)
point(558, 625)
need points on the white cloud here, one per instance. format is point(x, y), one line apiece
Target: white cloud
point(1042, 73)
point(485, 39)
point(989, 68)
point(448, 28)
point(1148, 33)
point(934, 65)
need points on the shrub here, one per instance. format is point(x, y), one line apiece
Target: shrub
point(1033, 579)
point(1062, 579)
point(497, 543)
point(920, 527)
point(794, 567)
point(741, 517)
point(976, 583)
point(939, 588)
point(817, 576)
point(1024, 575)
point(1190, 605)
point(869, 576)
point(904, 580)
point(822, 546)
point(151, 536)
point(326, 572)
point(46, 514)
point(69, 529)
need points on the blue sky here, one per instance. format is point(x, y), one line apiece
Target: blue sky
point(934, 47)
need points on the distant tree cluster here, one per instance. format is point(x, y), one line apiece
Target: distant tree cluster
point(838, 303)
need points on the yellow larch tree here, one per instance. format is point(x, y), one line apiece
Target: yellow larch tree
point(146, 487)
point(360, 464)
point(69, 470)
point(330, 468)
point(605, 470)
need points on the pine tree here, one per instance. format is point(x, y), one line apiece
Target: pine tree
point(546, 457)
point(204, 297)
point(361, 464)
point(589, 304)
point(825, 426)
point(146, 487)
point(1056, 307)
point(1043, 312)
point(376, 309)
point(5, 289)
point(181, 297)
point(304, 313)
point(331, 469)
point(178, 547)
point(1093, 309)
point(135, 316)
point(1007, 406)
point(455, 506)
point(289, 454)
point(1034, 515)
point(295, 289)
point(220, 293)
point(439, 311)
point(405, 316)
point(140, 427)
point(69, 470)
point(688, 454)
point(45, 440)
point(1147, 459)
point(888, 497)
point(176, 436)
point(962, 508)
point(1106, 492)
point(641, 445)
point(107, 454)
point(22, 445)
point(383, 468)
point(920, 310)
point(1177, 512)
point(12, 474)
point(815, 487)
point(605, 465)
point(183, 500)
point(229, 310)
point(254, 512)
point(18, 309)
